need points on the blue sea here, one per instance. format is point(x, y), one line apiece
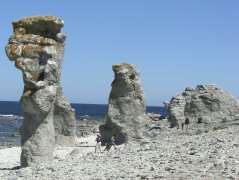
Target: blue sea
point(11, 117)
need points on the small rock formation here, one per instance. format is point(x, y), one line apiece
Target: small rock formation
point(37, 47)
point(208, 105)
point(126, 117)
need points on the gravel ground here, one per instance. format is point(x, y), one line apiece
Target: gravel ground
point(172, 154)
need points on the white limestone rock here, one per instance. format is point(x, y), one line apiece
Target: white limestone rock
point(207, 106)
point(126, 116)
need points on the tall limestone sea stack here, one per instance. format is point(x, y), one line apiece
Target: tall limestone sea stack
point(37, 47)
point(207, 106)
point(126, 117)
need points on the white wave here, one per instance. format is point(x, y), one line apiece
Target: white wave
point(85, 116)
point(6, 115)
point(11, 116)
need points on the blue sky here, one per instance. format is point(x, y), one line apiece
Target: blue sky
point(175, 44)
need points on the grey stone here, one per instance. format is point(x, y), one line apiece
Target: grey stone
point(126, 116)
point(14, 51)
point(32, 39)
point(155, 117)
point(60, 37)
point(207, 106)
point(20, 31)
point(46, 26)
point(74, 153)
point(48, 118)
point(64, 121)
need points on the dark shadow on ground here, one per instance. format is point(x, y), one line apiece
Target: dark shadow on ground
point(14, 168)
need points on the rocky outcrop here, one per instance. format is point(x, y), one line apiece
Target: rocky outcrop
point(37, 47)
point(205, 105)
point(126, 117)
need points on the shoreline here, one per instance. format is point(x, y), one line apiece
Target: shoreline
point(84, 127)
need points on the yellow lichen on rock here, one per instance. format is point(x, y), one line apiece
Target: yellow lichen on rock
point(35, 19)
point(19, 64)
point(31, 39)
point(13, 51)
point(47, 26)
point(31, 50)
point(19, 31)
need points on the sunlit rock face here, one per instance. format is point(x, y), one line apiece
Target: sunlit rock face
point(207, 106)
point(37, 48)
point(126, 117)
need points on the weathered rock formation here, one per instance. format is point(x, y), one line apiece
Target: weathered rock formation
point(37, 47)
point(126, 117)
point(206, 105)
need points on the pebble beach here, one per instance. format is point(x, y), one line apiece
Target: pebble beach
point(171, 154)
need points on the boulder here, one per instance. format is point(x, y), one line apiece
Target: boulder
point(155, 117)
point(207, 106)
point(37, 47)
point(126, 116)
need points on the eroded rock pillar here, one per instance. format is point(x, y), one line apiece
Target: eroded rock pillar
point(126, 117)
point(37, 47)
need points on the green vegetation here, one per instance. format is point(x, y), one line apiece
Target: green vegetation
point(132, 76)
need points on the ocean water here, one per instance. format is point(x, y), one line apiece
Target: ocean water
point(11, 117)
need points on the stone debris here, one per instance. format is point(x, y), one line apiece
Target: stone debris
point(37, 47)
point(174, 155)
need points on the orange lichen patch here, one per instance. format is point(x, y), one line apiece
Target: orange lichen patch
point(13, 51)
point(27, 48)
point(31, 50)
point(35, 77)
point(119, 67)
point(19, 64)
point(45, 41)
point(31, 39)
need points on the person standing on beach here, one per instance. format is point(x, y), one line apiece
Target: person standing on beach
point(107, 147)
point(186, 122)
point(182, 124)
point(98, 143)
point(110, 144)
point(113, 141)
